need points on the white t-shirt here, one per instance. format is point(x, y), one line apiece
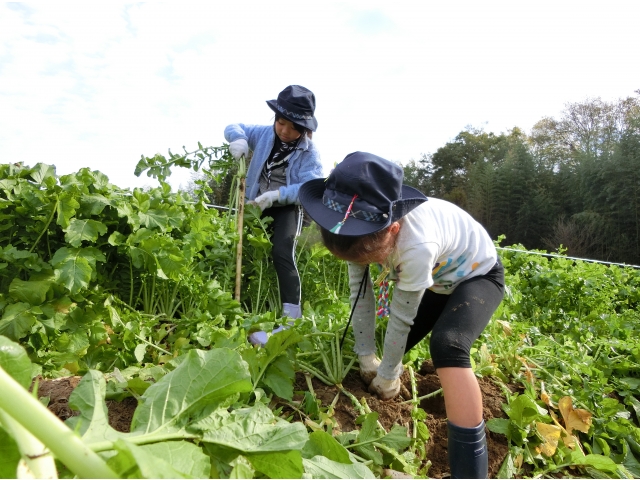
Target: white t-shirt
point(440, 245)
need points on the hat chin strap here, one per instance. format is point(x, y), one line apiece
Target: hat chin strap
point(363, 283)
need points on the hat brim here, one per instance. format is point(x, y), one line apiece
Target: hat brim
point(311, 124)
point(310, 195)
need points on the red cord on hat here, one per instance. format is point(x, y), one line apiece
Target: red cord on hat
point(339, 225)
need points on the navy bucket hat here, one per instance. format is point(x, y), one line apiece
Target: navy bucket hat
point(297, 104)
point(362, 195)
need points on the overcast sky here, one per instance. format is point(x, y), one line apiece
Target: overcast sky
point(98, 84)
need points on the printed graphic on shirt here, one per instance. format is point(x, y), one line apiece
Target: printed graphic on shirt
point(439, 246)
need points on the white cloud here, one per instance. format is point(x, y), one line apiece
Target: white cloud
point(98, 85)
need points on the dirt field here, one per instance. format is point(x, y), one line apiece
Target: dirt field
point(390, 412)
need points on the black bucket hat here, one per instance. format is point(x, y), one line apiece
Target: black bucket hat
point(362, 195)
point(297, 104)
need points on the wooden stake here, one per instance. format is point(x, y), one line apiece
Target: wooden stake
point(239, 221)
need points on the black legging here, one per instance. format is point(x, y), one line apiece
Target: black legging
point(457, 320)
point(285, 228)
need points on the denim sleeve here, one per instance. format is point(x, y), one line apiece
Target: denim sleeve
point(251, 133)
point(310, 167)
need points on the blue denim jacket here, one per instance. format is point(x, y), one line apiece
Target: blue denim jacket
point(304, 162)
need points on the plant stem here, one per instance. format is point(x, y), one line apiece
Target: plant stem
point(37, 457)
point(424, 397)
point(153, 345)
point(414, 398)
point(46, 427)
point(315, 372)
point(46, 227)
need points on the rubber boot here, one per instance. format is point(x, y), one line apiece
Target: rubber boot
point(468, 455)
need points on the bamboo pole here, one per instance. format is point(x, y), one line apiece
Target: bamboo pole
point(239, 222)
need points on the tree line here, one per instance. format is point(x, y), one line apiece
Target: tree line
point(572, 183)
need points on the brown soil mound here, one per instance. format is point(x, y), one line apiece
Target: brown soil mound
point(396, 411)
point(390, 412)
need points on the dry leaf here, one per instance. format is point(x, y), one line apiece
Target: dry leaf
point(551, 435)
point(574, 419)
point(544, 396)
point(565, 405)
point(580, 420)
point(506, 327)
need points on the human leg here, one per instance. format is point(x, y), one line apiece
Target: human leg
point(468, 311)
point(285, 228)
point(286, 225)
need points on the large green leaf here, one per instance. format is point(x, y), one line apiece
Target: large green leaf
point(201, 380)
point(322, 467)
point(42, 172)
point(252, 430)
point(173, 459)
point(17, 320)
point(191, 391)
point(66, 209)
point(524, 410)
point(321, 443)
point(15, 361)
point(9, 455)
point(397, 438)
point(84, 230)
point(30, 291)
point(74, 273)
point(278, 464)
point(278, 377)
point(88, 398)
point(162, 218)
point(94, 204)
point(74, 266)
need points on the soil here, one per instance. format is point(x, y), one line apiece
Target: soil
point(390, 412)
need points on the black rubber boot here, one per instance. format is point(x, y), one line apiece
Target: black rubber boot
point(468, 456)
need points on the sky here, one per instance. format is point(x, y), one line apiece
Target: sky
point(99, 84)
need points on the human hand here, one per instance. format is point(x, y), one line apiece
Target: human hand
point(266, 200)
point(238, 148)
point(385, 389)
point(368, 367)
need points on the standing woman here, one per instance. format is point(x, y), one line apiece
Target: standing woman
point(448, 281)
point(284, 157)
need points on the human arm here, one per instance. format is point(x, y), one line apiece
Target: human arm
point(252, 134)
point(364, 321)
point(403, 310)
point(305, 165)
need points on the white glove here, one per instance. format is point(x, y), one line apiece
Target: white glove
point(385, 389)
point(238, 148)
point(368, 367)
point(265, 200)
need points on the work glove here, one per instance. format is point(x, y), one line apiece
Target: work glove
point(238, 148)
point(368, 367)
point(385, 389)
point(265, 200)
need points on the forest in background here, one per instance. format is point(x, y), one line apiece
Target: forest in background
point(572, 183)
